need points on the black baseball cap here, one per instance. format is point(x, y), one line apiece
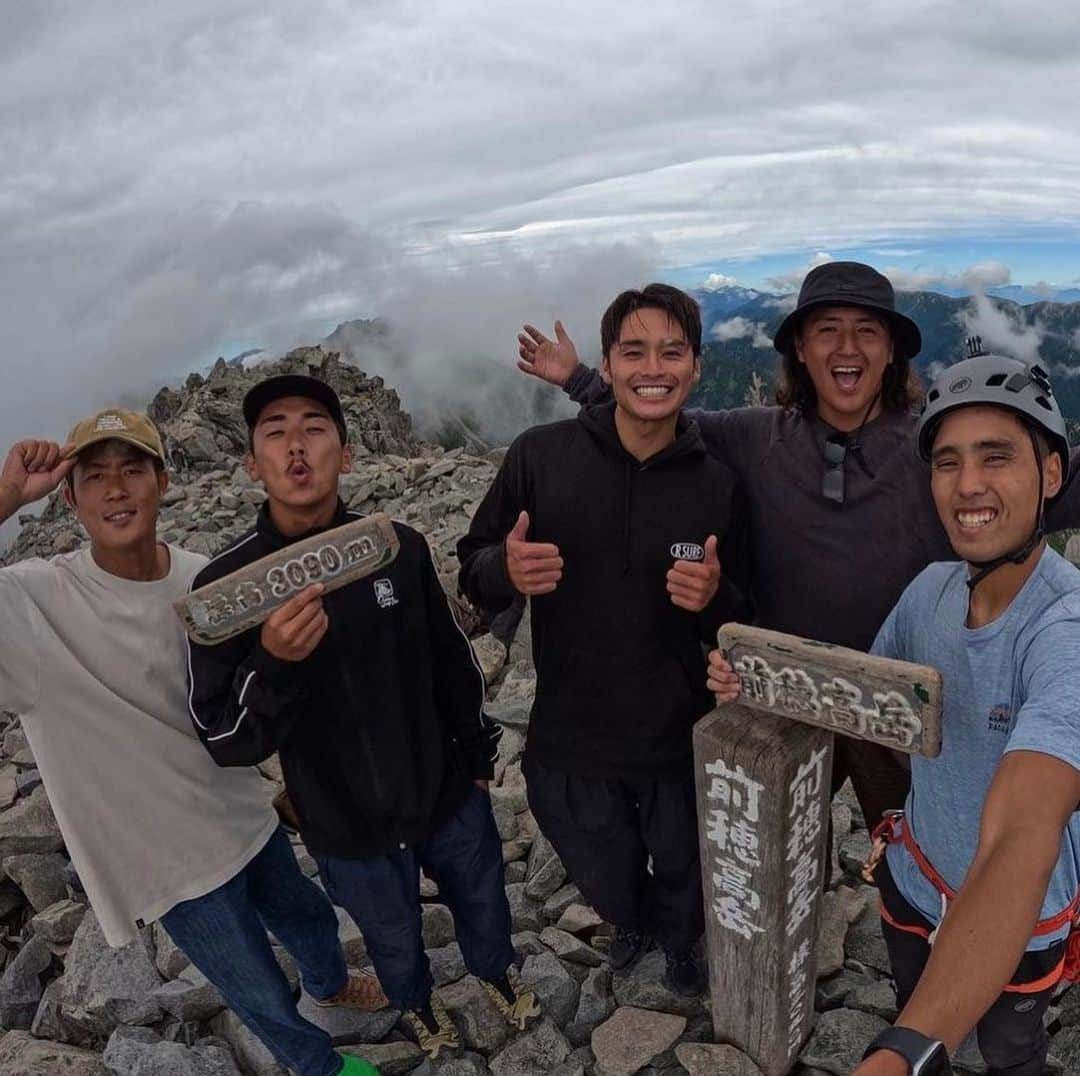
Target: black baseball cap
point(274, 388)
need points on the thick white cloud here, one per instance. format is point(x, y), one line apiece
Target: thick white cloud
point(199, 172)
point(975, 278)
point(716, 281)
point(738, 328)
point(1000, 331)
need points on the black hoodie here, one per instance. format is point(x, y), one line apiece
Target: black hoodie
point(620, 669)
point(381, 730)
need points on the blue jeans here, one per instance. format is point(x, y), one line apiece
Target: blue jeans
point(224, 935)
point(463, 857)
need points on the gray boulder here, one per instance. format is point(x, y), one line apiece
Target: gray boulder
point(139, 1051)
point(553, 984)
point(255, 1059)
point(595, 1004)
point(546, 872)
point(21, 985)
point(481, 1026)
point(191, 998)
point(29, 826)
point(58, 922)
point(534, 1053)
point(22, 1055)
point(105, 987)
point(40, 876)
point(524, 911)
point(348, 1026)
point(169, 958)
point(567, 947)
point(642, 987)
point(630, 1038)
point(438, 925)
point(467, 1064)
point(711, 1059)
point(839, 1039)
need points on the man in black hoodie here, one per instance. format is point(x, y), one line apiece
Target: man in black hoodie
point(611, 523)
point(373, 699)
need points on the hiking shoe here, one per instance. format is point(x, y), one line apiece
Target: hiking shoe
point(685, 972)
point(517, 1003)
point(626, 946)
point(433, 1028)
point(361, 991)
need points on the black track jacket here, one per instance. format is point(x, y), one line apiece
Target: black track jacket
point(620, 669)
point(381, 730)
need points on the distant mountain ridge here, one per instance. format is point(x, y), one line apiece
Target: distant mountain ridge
point(737, 323)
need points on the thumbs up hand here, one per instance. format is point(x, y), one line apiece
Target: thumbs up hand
point(693, 584)
point(533, 567)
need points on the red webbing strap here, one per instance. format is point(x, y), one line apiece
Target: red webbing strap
point(887, 830)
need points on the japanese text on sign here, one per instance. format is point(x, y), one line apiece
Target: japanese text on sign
point(734, 809)
point(833, 701)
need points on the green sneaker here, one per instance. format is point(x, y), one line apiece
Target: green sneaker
point(356, 1066)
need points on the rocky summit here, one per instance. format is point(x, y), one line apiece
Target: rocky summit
point(69, 1004)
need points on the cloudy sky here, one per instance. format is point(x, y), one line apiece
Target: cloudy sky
point(178, 181)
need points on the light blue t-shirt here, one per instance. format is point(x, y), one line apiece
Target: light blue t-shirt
point(1013, 685)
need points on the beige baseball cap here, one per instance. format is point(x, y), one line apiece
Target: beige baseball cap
point(119, 425)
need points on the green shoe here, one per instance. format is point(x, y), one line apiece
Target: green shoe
point(356, 1066)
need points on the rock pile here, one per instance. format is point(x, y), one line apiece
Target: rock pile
point(69, 1004)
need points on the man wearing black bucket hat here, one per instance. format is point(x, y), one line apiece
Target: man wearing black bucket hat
point(841, 519)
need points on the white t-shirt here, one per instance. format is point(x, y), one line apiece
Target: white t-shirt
point(96, 667)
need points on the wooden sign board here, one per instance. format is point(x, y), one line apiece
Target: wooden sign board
point(239, 601)
point(763, 766)
point(763, 810)
point(893, 703)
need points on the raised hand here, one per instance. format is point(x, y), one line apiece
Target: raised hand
point(722, 680)
point(293, 631)
point(533, 567)
point(32, 470)
point(692, 584)
point(550, 360)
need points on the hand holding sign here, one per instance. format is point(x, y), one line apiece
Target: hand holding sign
point(533, 567)
point(723, 681)
point(293, 631)
point(693, 584)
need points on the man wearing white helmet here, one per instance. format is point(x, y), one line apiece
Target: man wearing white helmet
point(979, 874)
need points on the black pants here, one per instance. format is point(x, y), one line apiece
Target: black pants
point(880, 777)
point(1012, 1038)
point(605, 831)
point(463, 857)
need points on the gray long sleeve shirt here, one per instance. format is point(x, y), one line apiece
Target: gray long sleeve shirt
point(822, 569)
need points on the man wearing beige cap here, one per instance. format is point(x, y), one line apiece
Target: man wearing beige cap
point(93, 659)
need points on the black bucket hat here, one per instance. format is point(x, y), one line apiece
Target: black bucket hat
point(849, 284)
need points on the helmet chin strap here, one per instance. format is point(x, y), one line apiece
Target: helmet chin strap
point(1037, 535)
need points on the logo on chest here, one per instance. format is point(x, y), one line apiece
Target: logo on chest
point(999, 719)
point(384, 593)
point(687, 551)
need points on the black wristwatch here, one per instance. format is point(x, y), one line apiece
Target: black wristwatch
point(925, 1057)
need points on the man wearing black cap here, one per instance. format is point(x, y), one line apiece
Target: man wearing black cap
point(841, 518)
point(374, 700)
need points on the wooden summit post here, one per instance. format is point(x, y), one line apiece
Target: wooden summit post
point(763, 767)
